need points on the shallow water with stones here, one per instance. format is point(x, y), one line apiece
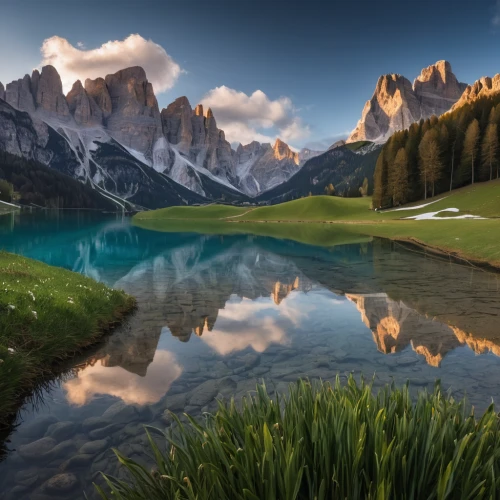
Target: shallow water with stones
point(218, 314)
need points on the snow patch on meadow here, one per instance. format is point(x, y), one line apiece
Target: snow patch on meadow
point(432, 215)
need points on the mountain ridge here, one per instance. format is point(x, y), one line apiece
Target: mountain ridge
point(179, 142)
point(396, 103)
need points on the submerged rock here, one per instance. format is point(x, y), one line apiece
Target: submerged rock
point(61, 430)
point(105, 431)
point(37, 450)
point(38, 427)
point(61, 483)
point(94, 447)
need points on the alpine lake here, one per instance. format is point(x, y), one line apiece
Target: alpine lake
point(219, 314)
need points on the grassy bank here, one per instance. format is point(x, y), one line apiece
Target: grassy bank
point(325, 442)
point(351, 218)
point(46, 315)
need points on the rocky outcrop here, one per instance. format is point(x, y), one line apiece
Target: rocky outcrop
point(20, 136)
point(261, 166)
point(2, 91)
point(437, 89)
point(337, 144)
point(18, 94)
point(41, 93)
point(393, 106)
point(49, 97)
point(198, 138)
point(306, 154)
point(84, 109)
point(396, 104)
point(177, 126)
point(135, 118)
point(98, 90)
point(483, 87)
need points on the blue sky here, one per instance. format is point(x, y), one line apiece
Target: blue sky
point(315, 63)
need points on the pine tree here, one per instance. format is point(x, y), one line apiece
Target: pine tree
point(430, 160)
point(414, 138)
point(400, 187)
point(446, 154)
point(380, 177)
point(489, 151)
point(470, 153)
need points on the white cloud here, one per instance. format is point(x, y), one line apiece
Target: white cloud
point(245, 118)
point(77, 63)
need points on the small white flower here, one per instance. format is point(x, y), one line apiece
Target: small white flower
point(70, 301)
point(11, 307)
point(35, 314)
point(11, 350)
point(31, 295)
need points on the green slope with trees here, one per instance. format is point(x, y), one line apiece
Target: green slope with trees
point(440, 154)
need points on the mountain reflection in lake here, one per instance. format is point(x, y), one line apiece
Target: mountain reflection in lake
point(218, 314)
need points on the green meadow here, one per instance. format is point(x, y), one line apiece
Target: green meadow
point(46, 315)
point(330, 220)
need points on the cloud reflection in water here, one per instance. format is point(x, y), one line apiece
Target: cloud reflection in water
point(118, 382)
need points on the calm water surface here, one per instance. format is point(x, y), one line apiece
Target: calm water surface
point(217, 314)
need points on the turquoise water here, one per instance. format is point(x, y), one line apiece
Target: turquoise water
point(217, 314)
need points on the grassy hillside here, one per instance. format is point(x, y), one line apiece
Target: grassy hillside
point(479, 199)
point(313, 208)
point(482, 199)
point(46, 315)
point(327, 220)
point(205, 212)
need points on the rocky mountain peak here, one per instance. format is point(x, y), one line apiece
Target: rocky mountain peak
point(209, 114)
point(98, 90)
point(18, 94)
point(179, 104)
point(282, 151)
point(135, 117)
point(2, 91)
point(485, 86)
point(440, 68)
point(396, 104)
point(77, 87)
point(82, 106)
point(437, 89)
point(136, 73)
point(389, 84)
point(35, 79)
point(198, 111)
point(176, 123)
point(131, 92)
point(49, 93)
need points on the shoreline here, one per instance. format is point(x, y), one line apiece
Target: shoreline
point(442, 251)
point(48, 314)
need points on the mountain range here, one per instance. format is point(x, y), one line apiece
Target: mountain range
point(110, 134)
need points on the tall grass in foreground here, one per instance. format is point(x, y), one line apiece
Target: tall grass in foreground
point(323, 441)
